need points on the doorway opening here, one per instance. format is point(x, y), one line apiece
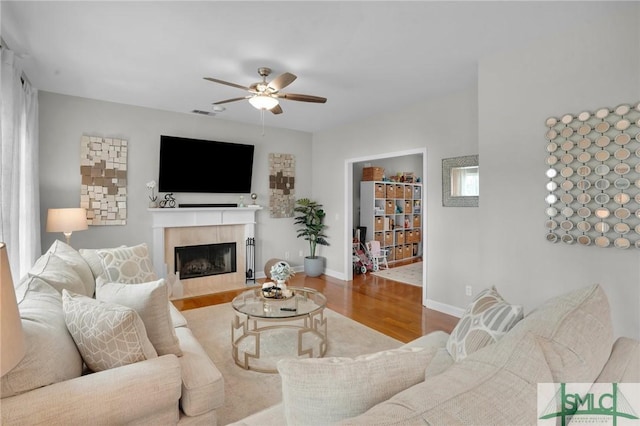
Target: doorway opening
point(353, 169)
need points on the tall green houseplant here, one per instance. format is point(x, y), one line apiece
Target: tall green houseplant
point(310, 219)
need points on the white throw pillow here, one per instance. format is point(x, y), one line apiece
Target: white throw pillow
point(486, 319)
point(77, 262)
point(58, 273)
point(51, 354)
point(107, 335)
point(129, 265)
point(150, 301)
point(326, 390)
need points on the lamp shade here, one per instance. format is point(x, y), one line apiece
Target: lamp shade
point(263, 102)
point(67, 220)
point(12, 346)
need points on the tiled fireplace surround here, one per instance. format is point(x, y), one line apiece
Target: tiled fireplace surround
point(202, 225)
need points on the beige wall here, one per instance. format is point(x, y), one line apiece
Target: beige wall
point(64, 119)
point(502, 242)
point(517, 92)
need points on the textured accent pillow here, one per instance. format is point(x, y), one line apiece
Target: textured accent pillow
point(150, 301)
point(57, 273)
point(106, 335)
point(77, 262)
point(128, 265)
point(326, 390)
point(486, 319)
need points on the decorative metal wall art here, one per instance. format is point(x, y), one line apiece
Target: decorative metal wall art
point(593, 177)
point(103, 190)
point(282, 180)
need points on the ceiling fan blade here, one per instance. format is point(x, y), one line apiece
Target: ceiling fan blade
point(303, 98)
point(282, 81)
point(215, 80)
point(276, 109)
point(231, 100)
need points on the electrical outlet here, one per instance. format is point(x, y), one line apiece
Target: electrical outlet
point(468, 290)
point(301, 253)
point(286, 255)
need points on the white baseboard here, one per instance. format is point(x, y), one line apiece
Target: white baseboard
point(444, 308)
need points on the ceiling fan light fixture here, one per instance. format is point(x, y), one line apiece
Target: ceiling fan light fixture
point(263, 102)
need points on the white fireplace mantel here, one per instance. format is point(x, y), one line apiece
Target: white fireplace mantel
point(197, 216)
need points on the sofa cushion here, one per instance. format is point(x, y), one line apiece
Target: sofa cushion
point(482, 389)
point(129, 265)
point(94, 261)
point(51, 355)
point(575, 333)
point(107, 335)
point(57, 273)
point(486, 320)
point(326, 390)
point(77, 263)
point(623, 365)
point(150, 301)
point(441, 358)
point(202, 382)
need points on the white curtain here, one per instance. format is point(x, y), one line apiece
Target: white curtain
point(19, 185)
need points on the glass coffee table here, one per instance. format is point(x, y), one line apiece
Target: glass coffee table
point(265, 330)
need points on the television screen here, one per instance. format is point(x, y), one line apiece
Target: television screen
point(196, 165)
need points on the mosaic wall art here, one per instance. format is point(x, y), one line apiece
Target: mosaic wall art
point(593, 178)
point(103, 190)
point(282, 180)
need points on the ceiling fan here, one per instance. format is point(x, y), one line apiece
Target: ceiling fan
point(265, 95)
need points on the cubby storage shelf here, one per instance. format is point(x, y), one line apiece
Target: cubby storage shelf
point(392, 214)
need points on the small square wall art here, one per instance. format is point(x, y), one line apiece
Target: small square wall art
point(103, 190)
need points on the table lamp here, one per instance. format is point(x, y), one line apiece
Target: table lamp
point(67, 221)
point(12, 346)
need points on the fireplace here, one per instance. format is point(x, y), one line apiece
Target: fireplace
point(205, 259)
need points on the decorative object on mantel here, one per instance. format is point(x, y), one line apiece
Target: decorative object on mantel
point(254, 197)
point(103, 190)
point(153, 197)
point(168, 202)
point(282, 171)
point(594, 177)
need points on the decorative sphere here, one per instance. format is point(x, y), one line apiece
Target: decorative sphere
point(254, 196)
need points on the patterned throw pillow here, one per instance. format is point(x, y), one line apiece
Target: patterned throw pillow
point(128, 265)
point(107, 335)
point(486, 319)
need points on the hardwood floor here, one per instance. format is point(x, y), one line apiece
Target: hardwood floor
point(390, 307)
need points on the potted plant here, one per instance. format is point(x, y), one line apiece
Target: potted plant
point(311, 220)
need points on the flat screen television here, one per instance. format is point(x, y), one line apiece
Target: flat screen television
point(197, 165)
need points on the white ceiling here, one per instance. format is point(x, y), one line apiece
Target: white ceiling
point(365, 57)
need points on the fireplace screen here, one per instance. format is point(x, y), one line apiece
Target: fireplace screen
point(206, 259)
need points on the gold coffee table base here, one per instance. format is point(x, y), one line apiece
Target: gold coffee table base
point(264, 331)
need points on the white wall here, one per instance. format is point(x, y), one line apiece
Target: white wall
point(447, 127)
point(594, 66)
point(64, 119)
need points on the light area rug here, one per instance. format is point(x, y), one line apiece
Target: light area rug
point(408, 274)
point(246, 391)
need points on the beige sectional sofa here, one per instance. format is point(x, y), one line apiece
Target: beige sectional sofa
point(569, 339)
point(140, 379)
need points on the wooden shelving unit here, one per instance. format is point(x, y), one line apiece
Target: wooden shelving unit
point(393, 212)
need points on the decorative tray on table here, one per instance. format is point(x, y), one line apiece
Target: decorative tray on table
point(276, 293)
